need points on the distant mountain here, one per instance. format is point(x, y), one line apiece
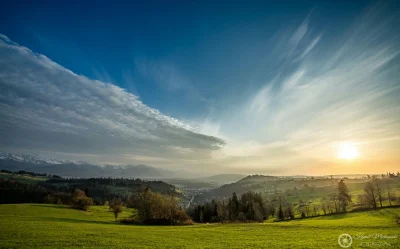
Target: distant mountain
point(79, 169)
point(222, 178)
point(28, 158)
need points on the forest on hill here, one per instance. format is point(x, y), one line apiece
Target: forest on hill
point(30, 187)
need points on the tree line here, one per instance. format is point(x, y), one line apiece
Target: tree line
point(253, 207)
point(249, 207)
point(12, 191)
point(23, 172)
point(59, 190)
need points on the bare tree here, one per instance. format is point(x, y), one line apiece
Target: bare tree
point(306, 209)
point(316, 210)
point(329, 206)
point(324, 207)
point(379, 191)
point(370, 196)
point(335, 203)
point(391, 195)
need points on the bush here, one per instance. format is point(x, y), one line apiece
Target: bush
point(82, 203)
point(116, 206)
point(153, 208)
point(129, 221)
point(397, 219)
point(80, 200)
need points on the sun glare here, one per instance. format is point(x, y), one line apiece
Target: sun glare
point(348, 151)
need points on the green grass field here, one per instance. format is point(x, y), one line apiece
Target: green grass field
point(23, 178)
point(52, 226)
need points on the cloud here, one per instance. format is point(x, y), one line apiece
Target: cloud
point(165, 74)
point(325, 93)
point(44, 106)
point(299, 33)
point(316, 88)
point(310, 46)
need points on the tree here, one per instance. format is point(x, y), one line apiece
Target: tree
point(324, 207)
point(154, 208)
point(116, 206)
point(281, 216)
point(343, 196)
point(306, 208)
point(379, 191)
point(87, 192)
point(330, 207)
point(80, 200)
point(289, 212)
point(270, 209)
point(249, 207)
point(201, 215)
point(373, 194)
point(316, 210)
point(222, 211)
point(390, 194)
point(116, 211)
point(233, 207)
point(335, 205)
point(369, 199)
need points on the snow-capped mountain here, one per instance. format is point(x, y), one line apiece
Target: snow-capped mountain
point(34, 159)
point(66, 168)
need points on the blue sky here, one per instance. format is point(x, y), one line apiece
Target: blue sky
point(243, 79)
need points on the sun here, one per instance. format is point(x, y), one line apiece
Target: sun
point(348, 151)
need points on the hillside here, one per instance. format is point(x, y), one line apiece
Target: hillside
point(15, 184)
point(222, 178)
point(295, 190)
point(50, 226)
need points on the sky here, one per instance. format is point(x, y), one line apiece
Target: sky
point(267, 87)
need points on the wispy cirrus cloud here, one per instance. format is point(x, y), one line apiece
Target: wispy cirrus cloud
point(45, 107)
point(323, 93)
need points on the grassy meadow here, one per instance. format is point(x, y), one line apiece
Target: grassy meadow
point(23, 178)
point(53, 226)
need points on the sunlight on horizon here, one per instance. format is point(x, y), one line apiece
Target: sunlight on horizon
point(348, 151)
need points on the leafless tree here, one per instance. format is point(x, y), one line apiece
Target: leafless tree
point(370, 197)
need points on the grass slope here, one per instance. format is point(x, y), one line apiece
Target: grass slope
point(51, 226)
point(24, 178)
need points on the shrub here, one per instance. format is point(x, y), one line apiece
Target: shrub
point(129, 221)
point(82, 203)
point(397, 219)
point(153, 209)
point(80, 200)
point(116, 206)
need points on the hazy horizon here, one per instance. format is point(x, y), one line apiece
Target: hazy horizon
point(251, 91)
point(197, 174)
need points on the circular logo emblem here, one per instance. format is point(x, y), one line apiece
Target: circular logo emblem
point(345, 240)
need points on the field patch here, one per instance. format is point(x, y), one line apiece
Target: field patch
point(52, 226)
